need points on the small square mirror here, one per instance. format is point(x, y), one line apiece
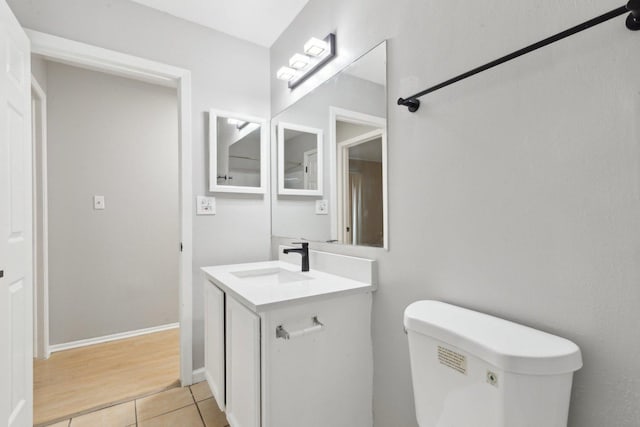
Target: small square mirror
point(237, 153)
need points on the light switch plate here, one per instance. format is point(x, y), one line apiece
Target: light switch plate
point(205, 205)
point(98, 202)
point(322, 207)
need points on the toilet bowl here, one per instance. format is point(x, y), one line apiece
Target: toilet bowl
point(470, 369)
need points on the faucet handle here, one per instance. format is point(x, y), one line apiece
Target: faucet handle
point(304, 244)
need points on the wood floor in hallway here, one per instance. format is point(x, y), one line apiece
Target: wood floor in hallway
point(82, 380)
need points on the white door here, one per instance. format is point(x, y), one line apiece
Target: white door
point(16, 320)
point(311, 170)
point(354, 220)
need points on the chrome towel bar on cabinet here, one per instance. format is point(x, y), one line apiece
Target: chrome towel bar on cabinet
point(281, 332)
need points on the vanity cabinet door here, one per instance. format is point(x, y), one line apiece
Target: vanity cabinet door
point(214, 341)
point(243, 365)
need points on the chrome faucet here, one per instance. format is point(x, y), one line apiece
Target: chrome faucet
point(304, 251)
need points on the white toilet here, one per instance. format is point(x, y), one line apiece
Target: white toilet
point(470, 369)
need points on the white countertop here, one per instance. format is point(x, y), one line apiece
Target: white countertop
point(262, 296)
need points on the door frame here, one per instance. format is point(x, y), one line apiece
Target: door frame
point(355, 117)
point(124, 65)
point(40, 240)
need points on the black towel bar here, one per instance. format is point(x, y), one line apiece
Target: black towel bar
point(633, 23)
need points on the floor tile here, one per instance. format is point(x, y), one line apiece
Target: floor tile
point(184, 417)
point(114, 416)
point(212, 415)
point(161, 403)
point(201, 391)
point(64, 423)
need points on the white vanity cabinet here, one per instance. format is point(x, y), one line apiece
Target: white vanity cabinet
point(214, 342)
point(232, 356)
point(324, 377)
point(243, 365)
point(320, 376)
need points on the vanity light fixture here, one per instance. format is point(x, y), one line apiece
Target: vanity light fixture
point(317, 53)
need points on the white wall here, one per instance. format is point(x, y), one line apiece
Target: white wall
point(113, 270)
point(227, 74)
point(516, 192)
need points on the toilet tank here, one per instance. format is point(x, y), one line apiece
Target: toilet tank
point(470, 369)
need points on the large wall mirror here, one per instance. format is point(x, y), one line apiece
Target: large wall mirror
point(238, 153)
point(337, 193)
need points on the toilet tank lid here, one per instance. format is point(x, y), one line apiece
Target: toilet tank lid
point(507, 345)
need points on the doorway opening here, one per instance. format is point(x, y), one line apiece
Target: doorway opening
point(361, 161)
point(102, 285)
point(359, 144)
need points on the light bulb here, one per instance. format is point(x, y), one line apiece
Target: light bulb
point(315, 47)
point(286, 73)
point(299, 61)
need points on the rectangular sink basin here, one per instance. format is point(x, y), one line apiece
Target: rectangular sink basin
point(269, 276)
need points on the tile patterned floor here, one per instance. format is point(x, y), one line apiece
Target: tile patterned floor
point(179, 407)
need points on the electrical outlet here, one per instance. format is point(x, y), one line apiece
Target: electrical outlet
point(205, 205)
point(322, 207)
point(98, 202)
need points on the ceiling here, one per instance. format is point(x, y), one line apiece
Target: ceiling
point(258, 21)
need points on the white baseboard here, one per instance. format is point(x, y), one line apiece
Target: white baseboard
point(198, 375)
point(113, 337)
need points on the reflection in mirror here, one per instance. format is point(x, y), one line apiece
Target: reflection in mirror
point(300, 160)
point(351, 109)
point(237, 158)
point(360, 144)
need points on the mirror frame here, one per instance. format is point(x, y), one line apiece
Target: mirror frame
point(214, 187)
point(282, 126)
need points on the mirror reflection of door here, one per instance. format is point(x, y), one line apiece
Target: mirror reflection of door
point(311, 169)
point(238, 152)
point(301, 160)
point(360, 157)
point(353, 205)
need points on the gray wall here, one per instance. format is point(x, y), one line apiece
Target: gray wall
point(516, 192)
point(227, 74)
point(112, 270)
